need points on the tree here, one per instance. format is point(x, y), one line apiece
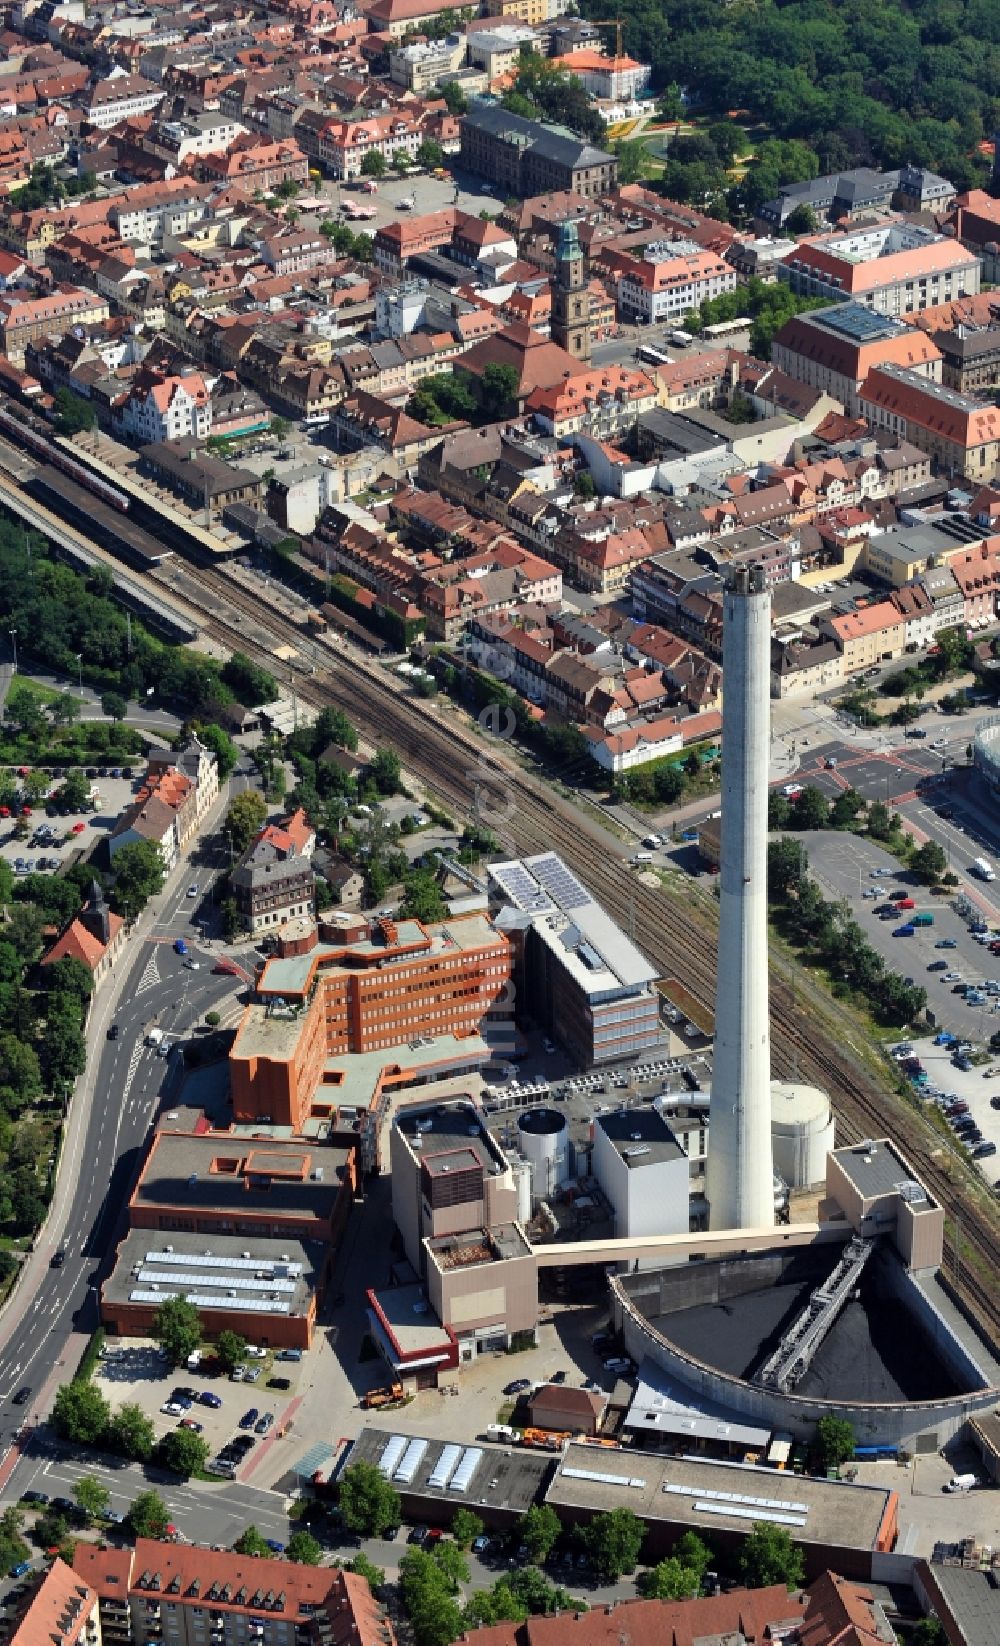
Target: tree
point(250, 1542)
point(361, 1566)
point(929, 1632)
point(430, 155)
point(148, 1516)
point(613, 1541)
point(670, 1579)
point(786, 863)
point(177, 1328)
point(73, 414)
point(769, 1556)
point(373, 164)
point(583, 486)
point(879, 820)
point(69, 977)
point(212, 1021)
point(632, 158)
point(465, 1527)
point(230, 1347)
point(80, 1413)
point(451, 1562)
point(65, 710)
point(498, 390)
point(333, 726)
point(810, 809)
point(91, 1497)
point(304, 1549)
point(131, 1433)
point(539, 1530)
point(801, 221)
point(369, 1504)
point(139, 874)
point(222, 746)
point(929, 862)
point(114, 705)
point(386, 772)
point(245, 819)
point(247, 680)
point(454, 96)
point(432, 1609)
point(183, 1452)
point(232, 920)
point(693, 1551)
point(832, 1443)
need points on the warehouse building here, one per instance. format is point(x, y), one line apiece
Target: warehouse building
point(436, 1477)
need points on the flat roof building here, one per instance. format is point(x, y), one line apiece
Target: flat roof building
point(643, 1171)
point(879, 1194)
point(579, 974)
point(433, 1476)
point(836, 1523)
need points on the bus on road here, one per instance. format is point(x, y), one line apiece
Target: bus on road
point(653, 357)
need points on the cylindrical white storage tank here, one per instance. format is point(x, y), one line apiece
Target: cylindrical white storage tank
point(801, 1132)
point(522, 1174)
point(543, 1139)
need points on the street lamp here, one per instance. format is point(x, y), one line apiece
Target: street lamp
point(13, 641)
point(79, 670)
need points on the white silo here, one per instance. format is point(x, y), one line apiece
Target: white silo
point(543, 1139)
point(802, 1132)
point(522, 1174)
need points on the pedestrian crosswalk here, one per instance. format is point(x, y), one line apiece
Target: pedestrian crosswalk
point(150, 975)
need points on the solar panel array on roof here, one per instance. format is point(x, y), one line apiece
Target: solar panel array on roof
point(392, 1454)
point(237, 1283)
point(471, 1459)
point(561, 885)
point(213, 1260)
point(738, 1513)
point(743, 1498)
point(215, 1300)
point(858, 323)
point(445, 1466)
point(523, 890)
point(411, 1461)
point(605, 1480)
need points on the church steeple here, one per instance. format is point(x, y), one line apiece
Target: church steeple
point(570, 326)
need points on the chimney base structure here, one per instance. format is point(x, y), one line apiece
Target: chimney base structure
point(739, 1182)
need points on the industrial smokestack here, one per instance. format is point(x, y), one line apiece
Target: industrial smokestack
point(739, 1182)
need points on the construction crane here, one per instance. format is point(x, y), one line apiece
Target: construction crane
point(611, 23)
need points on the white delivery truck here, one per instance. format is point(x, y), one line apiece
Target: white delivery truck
point(982, 869)
point(154, 1037)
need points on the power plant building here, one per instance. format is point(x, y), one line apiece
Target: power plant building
point(643, 1171)
point(739, 1182)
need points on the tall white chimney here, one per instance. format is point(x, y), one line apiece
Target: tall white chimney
point(739, 1182)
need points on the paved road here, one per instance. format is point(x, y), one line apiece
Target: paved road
point(108, 1123)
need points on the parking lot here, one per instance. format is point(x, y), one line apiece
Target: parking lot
point(132, 1370)
point(965, 1097)
point(844, 864)
point(45, 839)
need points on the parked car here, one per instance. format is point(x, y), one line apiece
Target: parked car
point(207, 1398)
point(249, 1418)
point(192, 1424)
point(519, 1386)
point(264, 1423)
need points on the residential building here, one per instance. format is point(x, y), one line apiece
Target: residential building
point(274, 881)
point(420, 66)
point(498, 579)
point(894, 268)
point(160, 407)
point(195, 762)
point(95, 937)
point(534, 12)
point(164, 813)
point(611, 79)
point(255, 164)
point(527, 157)
point(149, 211)
point(601, 402)
point(977, 573)
point(669, 280)
point(25, 320)
point(800, 668)
point(120, 97)
point(961, 434)
point(586, 982)
point(59, 1610)
point(179, 1592)
point(846, 195)
point(398, 17)
point(375, 989)
point(180, 140)
point(623, 749)
point(970, 358)
point(975, 221)
point(834, 350)
point(343, 145)
point(875, 633)
point(498, 50)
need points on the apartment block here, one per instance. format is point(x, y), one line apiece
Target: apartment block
point(528, 157)
point(381, 989)
point(872, 634)
point(274, 880)
point(671, 278)
point(25, 320)
point(177, 1594)
point(63, 1610)
point(960, 434)
point(894, 268)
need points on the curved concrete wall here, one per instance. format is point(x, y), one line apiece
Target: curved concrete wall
point(890, 1424)
point(986, 751)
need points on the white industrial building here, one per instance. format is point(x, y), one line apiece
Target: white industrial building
point(643, 1172)
point(543, 1139)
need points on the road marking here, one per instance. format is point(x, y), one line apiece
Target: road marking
point(150, 976)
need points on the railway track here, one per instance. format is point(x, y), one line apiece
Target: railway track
point(678, 938)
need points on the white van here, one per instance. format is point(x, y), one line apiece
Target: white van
point(503, 1431)
point(962, 1483)
point(641, 857)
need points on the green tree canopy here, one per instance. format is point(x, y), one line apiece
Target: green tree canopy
point(250, 683)
point(373, 164)
point(250, 1542)
point(138, 875)
point(833, 1443)
point(245, 818)
point(539, 1529)
point(80, 1413)
point(369, 1504)
point(131, 1433)
point(183, 1452)
point(230, 1347)
point(613, 1541)
point(222, 746)
point(304, 1549)
point(466, 1527)
point(148, 1516)
point(91, 1496)
point(177, 1329)
point(769, 1556)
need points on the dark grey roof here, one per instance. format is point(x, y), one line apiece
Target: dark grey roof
point(973, 1601)
point(552, 142)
